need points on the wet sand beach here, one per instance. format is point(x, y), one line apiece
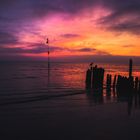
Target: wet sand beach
point(72, 117)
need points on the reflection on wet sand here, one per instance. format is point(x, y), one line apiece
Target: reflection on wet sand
point(104, 96)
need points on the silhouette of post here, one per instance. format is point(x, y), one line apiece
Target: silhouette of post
point(47, 42)
point(97, 78)
point(88, 79)
point(130, 68)
point(136, 84)
point(131, 78)
point(114, 82)
point(108, 82)
point(139, 87)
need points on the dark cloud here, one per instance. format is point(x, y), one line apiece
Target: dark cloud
point(43, 7)
point(19, 11)
point(70, 35)
point(39, 8)
point(32, 50)
point(38, 48)
point(86, 50)
point(125, 16)
point(7, 38)
point(129, 26)
point(92, 50)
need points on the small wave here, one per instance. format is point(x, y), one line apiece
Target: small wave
point(39, 98)
point(27, 77)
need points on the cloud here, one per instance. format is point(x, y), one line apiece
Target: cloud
point(124, 16)
point(70, 35)
point(21, 9)
point(39, 8)
point(128, 46)
point(38, 48)
point(92, 50)
point(7, 39)
point(14, 13)
point(31, 50)
point(130, 26)
point(86, 50)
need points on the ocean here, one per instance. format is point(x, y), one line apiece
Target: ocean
point(23, 81)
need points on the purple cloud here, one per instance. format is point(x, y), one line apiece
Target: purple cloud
point(70, 35)
point(13, 14)
point(7, 38)
point(38, 48)
point(86, 50)
point(128, 9)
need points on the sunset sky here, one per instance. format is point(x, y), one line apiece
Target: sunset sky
point(74, 28)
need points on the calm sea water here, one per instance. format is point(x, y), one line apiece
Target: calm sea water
point(27, 80)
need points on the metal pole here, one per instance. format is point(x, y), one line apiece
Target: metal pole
point(47, 42)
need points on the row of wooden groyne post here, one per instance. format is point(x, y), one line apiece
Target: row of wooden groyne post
point(123, 84)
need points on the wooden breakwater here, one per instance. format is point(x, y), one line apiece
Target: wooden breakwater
point(119, 83)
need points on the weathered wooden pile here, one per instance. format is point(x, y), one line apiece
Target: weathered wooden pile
point(122, 84)
point(95, 78)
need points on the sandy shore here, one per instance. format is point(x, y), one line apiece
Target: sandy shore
point(75, 117)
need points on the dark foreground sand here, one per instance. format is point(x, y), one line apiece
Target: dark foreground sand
point(69, 118)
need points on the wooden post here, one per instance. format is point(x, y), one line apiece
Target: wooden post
point(131, 83)
point(114, 82)
point(88, 79)
point(97, 78)
point(136, 84)
point(108, 82)
point(131, 78)
point(139, 88)
point(130, 68)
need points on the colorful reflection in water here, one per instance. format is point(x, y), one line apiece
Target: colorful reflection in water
point(29, 79)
